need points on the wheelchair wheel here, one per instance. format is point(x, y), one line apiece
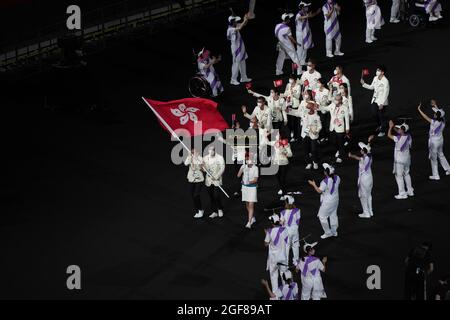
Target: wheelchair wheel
point(199, 87)
point(414, 20)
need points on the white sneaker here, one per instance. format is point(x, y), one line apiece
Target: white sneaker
point(374, 39)
point(433, 18)
point(335, 234)
point(235, 83)
point(338, 53)
point(369, 41)
point(364, 215)
point(338, 160)
point(199, 214)
point(213, 215)
point(220, 214)
point(326, 235)
point(248, 225)
point(292, 140)
point(246, 80)
point(308, 167)
point(329, 55)
point(253, 221)
point(381, 134)
point(394, 20)
point(440, 16)
point(447, 173)
point(315, 166)
point(410, 193)
point(435, 178)
point(278, 73)
point(280, 192)
point(401, 196)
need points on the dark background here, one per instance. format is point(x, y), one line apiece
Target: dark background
point(98, 189)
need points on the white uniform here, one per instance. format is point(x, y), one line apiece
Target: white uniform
point(311, 78)
point(322, 98)
point(216, 167)
point(288, 292)
point(374, 19)
point(210, 76)
point(311, 126)
point(277, 107)
point(292, 95)
point(340, 117)
point(281, 154)
point(365, 184)
point(312, 286)
point(331, 28)
point(336, 81)
point(290, 218)
point(433, 7)
point(303, 36)
point(329, 204)
point(195, 173)
point(402, 163)
point(264, 117)
point(277, 260)
point(285, 47)
point(249, 190)
point(239, 54)
point(436, 147)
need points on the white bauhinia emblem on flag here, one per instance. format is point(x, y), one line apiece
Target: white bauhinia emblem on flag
point(185, 114)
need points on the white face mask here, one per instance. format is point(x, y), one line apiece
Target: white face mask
point(272, 94)
point(306, 97)
point(291, 81)
point(378, 73)
point(335, 72)
point(308, 68)
point(260, 104)
point(211, 152)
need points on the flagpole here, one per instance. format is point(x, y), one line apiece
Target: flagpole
point(178, 138)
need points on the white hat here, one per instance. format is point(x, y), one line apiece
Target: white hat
point(274, 218)
point(287, 275)
point(362, 145)
point(304, 4)
point(403, 125)
point(311, 245)
point(286, 15)
point(289, 199)
point(235, 18)
point(327, 166)
point(441, 111)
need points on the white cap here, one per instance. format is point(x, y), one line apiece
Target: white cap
point(441, 111)
point(274, 218)
point(329, 167)
point(304, 4)
point(289, 199)
point(403, 125)
point(235, 18)
point(312, 245)
point(285, 15)
point(287, 275)
point(362, 145)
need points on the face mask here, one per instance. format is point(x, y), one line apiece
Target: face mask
point(342, 91)
point(337, 102)
point(291, 81)
point(211, 152)
point(378, 73)
point(260, 104)
point(308, 68)
point(335, 72)
point(272, 94)
point(306, 97)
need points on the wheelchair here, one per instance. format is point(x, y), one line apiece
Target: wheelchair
point(199, 87)
point(414, 15)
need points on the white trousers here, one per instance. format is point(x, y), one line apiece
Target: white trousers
point(329, 210)
point(276, 272)
point(395, 9)
point(365, 193)
point(293, 243)
point(312, 288)
point(239, 67)
point(337, 42)
point(370, 34)
point(284, 52)
point(402, 176)
point(302, 53)
point(436, 147)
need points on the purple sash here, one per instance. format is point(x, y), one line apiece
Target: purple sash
point(334, 183)
point(291, 217)
point(280, 27)
point(289, 293)
point(406, 143)
point(439, 128)
point(277, 237)
point(307, 262)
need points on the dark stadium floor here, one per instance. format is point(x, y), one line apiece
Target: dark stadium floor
point(98, 189)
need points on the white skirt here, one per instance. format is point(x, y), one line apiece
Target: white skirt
point(249, 194)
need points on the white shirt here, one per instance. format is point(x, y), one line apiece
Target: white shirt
point(249, 173)
point(381, 90)
point(311, 126)
point(282, 32)
point(336, 81)
point(340, 118)
point(290, 217)
point(436, 129)
point(404, 141)
point(271, 237)
point(314, 268)
point(293, 96)
point(288, 292)
point(330, 194)
point(322, 98)
point(312, 79)
point(195, 173)
point(281, 153)
point(215, 166)
point(264, 116)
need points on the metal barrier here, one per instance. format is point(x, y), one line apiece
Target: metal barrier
point(102, 23)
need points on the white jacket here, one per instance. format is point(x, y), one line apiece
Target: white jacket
point(195, 173)
point(381, 90)
point(215, 166)
point(340, 119)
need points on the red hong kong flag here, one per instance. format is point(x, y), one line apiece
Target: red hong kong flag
point(365, 72)
point(196, 115)
point(248, 85)
point(278, 83)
